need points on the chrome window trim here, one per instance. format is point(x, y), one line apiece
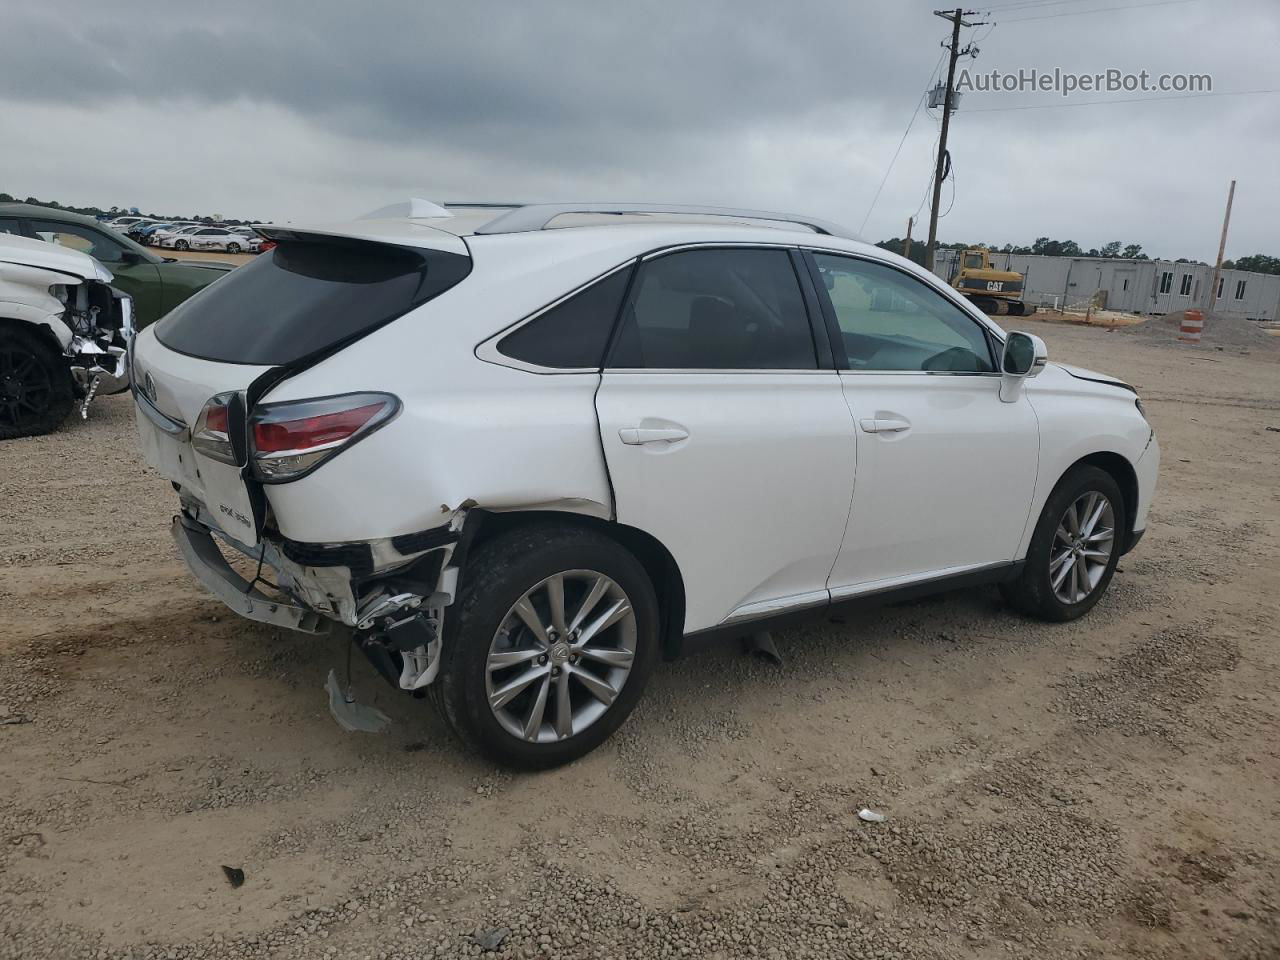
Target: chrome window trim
point(921, 373)
point(761, 371)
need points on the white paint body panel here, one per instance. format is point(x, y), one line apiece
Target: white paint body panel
point(951, 491)
point(752, 504)
point(777, 499)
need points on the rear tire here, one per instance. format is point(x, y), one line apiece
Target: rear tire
point(490, 647)
point(181, 245)
point(233, 248)
point(35, 385)
point(1065, 575)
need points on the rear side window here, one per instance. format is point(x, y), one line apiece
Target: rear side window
point(303, 297)
point(573, 333)
point(716, 309)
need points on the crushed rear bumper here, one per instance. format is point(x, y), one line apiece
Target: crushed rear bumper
point(210, 567)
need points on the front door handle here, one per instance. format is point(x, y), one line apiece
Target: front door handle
point(883, 426)
point(638, 435)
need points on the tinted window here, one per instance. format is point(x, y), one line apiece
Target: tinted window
point(717, 310)
point(573, 333)
point(10, 226)
point(302, 297)
point(85, 239)
point(891, 321)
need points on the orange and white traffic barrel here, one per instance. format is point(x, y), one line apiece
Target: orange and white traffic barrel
point(1192, 326)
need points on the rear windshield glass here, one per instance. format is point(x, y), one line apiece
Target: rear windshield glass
point(302, 297)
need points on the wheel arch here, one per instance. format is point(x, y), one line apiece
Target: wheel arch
point(664, 572)
point(42, 329)
point(1126, 478)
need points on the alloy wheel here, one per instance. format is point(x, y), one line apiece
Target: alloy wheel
point(25, 387)
point(1082, 547)
point(561, 656)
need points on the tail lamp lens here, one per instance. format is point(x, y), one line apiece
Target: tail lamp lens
point(211, 435)
point(292, 438)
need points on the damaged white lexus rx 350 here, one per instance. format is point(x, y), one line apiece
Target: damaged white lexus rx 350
point(521, 454)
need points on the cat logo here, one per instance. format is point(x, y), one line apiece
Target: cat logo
point(995, 286)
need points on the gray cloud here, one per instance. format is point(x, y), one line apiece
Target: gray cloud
point(291, 109)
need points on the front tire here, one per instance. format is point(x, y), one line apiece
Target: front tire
point(1074, 550)
point(549, 647)
point(35, 385)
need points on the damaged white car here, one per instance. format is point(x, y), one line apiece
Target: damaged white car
point(64, 333)
point(521, 454)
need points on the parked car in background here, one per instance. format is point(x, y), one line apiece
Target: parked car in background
point(717, 422)
point(64, 332)
point(212, 238)
point(178, 239)
point(122, 224)
point(165, 235)
point(252, 239)
point(156, 284)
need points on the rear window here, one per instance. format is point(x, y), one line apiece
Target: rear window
point(302, 297)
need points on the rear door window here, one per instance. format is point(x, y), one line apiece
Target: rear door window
point(303, 297)
point(716, 309)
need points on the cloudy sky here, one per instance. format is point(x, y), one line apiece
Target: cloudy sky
point(324, 109)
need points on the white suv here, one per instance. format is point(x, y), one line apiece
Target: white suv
point(521, 464)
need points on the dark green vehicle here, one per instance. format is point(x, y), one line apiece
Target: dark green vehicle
point(157, 284)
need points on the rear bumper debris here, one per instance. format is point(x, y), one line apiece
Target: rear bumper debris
point(207, 563)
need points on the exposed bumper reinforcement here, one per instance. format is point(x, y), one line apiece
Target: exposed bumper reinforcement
point(210, 567)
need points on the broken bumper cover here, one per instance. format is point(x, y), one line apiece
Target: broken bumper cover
point(210, 567)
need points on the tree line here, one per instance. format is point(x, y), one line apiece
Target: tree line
point(111, 211)
point(1045, 247)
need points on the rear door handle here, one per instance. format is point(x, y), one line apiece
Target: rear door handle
point(884, 426)
point(638, 435)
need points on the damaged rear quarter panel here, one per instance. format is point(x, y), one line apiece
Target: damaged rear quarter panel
point(500, 438)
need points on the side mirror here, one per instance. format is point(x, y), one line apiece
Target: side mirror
point(1024, 356)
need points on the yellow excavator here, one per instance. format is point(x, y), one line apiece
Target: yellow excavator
point(994, 292)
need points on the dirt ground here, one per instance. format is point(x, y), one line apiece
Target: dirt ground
point(1106, 788)
point(236, 258)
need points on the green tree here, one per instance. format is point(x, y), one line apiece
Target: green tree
point(1258, 263)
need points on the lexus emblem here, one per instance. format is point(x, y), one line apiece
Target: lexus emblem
point(149, 388)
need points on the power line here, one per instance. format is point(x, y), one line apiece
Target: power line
point(1100, 103)
point(1078, 13)
point(894, 159)
point(1002, 7)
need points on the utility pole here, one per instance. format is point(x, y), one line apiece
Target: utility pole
point(1211, 301)
point(956, 17)
point(906, 244)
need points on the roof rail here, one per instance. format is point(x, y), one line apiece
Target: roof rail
point(536, 216)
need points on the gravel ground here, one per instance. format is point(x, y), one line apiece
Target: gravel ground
point(1098, 789)
point(1226, 333)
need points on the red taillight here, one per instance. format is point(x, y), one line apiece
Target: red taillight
point(292, 438)
point(310, 432)
point(215, 419)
